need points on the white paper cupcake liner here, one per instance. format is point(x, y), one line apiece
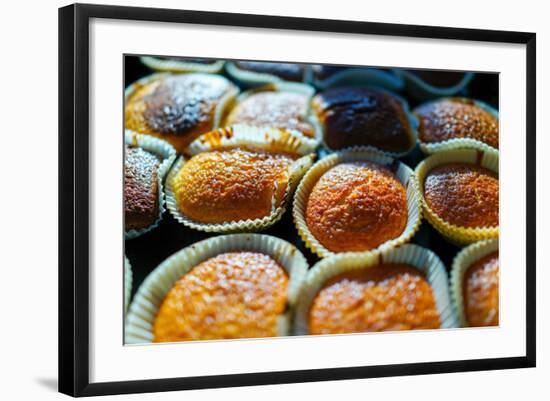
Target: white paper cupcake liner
point(403, 173)
point(429, 148)
point(181, 65)
point(461, 263)
point(420, 90)
point(358, 76)
point(128, 280)
point(484, 157)
point(296, 171)
point(167, 155)
point(421, 258)
point(151, 293)
point(251, 78)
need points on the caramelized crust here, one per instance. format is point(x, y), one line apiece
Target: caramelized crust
point(233, 295)
point(176, 108)
point(141, 197)
point(286, 71)
point(273, 109)
point(456, 118)
point(481, 299)
point(463, 195)
point(232, 185)
point(387, 297)
point(356, 207)
point(360, 116)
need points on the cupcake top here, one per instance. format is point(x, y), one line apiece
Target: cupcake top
point(380, 298)
point(365, 117)
point(452, 118)
point(232, 295)
point(177, 108)
point(273, 109)
point(464, 195)
point(481, 287)
point(356, 206)
point(286, 71)
point(232, 185)
point(141, 196)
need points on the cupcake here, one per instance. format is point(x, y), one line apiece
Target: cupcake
point(182, 64)
point(233, 286)
point(364, 117)
point(460, 191)
point(328, 76)
point(237, 189)
point(146, 163)
point(456, 122)
point(253, 73)
point(280, 105)
point(178, 108)
point(402, 289)
point(356, 201)
point(475, 284)
point(429, 84)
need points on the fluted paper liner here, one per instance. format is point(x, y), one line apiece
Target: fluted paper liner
point(429, 148)
point(295, 172)
point(461, 263)
point(421, 90)
point(403, 173)
point(479, 156)
point(219, 112)
point(252, 78)
point(361, 76)
point(128, 280)
point(146, 303)
point(181, 65)
point(167, 155)
point(421, 258)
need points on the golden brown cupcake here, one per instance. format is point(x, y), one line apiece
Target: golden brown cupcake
point(463, 195)
point(364, 117)
point(385, 297)
point(232, 185)
point(481, 292)
point(231, 295)
point(356, 206)
point(178, 108)
point(453, 118)
point(277, 109)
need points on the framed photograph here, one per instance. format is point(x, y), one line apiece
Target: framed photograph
point(250, 199)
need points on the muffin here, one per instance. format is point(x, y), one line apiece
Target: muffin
point(475, 284)
point(404, 288)
point(364, 117)
point(283, 71)
point(178, 108)
point(182, 64)
point(357, 206)
point(274, 108)
point(457, 118)
point(141, 188)
point(460, 191)
point(232, 295)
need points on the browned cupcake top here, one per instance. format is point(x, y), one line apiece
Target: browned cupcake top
point(287, 71)
point(456, 118)
point(356, 206)
point(273, 109)
point(481, 292)
point(140, 188)
point(361, 116)
point(379, 298)
point(232, 295)
point(463, 194)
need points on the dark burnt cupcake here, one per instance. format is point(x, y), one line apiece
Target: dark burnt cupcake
point(364, 117)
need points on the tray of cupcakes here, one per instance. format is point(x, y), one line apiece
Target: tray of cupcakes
point(270, 199)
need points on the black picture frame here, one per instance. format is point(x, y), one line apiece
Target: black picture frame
point(74, 198)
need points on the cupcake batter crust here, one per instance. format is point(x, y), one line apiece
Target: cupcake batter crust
point(481, 297)
point(386, 297)
point(357, 207)
point(233, 295)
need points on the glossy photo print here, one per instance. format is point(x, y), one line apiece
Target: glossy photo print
point(266, 199)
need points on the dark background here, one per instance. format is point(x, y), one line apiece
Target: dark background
point(150, 249)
